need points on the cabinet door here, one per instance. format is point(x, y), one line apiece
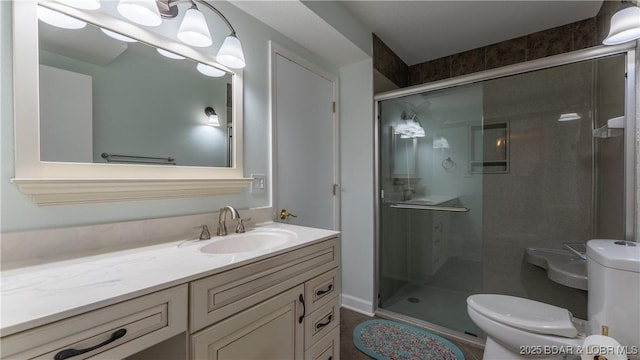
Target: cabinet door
point(269, 330)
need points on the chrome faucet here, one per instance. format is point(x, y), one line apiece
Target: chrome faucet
point(222, 226)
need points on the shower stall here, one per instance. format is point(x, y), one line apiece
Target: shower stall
point(474, 170)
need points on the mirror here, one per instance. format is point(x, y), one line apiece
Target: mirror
point(405, 156)
point(66, 180)
point(104, 99)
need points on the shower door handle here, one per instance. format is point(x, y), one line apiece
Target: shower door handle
point(429, 207)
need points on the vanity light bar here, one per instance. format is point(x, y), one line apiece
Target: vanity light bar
point(82, 4)
point(193, 30)
point(61, 20)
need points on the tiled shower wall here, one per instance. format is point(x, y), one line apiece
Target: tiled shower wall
point(545, 199)
point(558, 40)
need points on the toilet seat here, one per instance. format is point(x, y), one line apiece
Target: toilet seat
point(525, 314)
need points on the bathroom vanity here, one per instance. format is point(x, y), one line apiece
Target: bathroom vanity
point(188, 299)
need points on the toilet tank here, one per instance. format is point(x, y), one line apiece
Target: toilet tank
point(613, 270)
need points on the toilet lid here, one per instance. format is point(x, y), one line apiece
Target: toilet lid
point(524, 314)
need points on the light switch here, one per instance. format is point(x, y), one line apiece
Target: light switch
point(259, 184)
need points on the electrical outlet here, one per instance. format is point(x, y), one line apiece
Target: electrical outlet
point(258, 184)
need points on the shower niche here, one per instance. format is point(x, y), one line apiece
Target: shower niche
point(489, 148)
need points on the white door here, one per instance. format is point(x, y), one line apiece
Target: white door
point(305, 141)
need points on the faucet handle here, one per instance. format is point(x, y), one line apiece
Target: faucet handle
point(240, 226)
point(205, 235)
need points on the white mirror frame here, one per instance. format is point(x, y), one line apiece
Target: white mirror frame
point(56, 183)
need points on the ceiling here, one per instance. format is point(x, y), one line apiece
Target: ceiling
point(418, 31)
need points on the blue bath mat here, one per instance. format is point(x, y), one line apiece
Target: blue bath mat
point(390, 340)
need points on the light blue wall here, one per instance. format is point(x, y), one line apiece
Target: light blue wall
point(18, 213)
point(336, 15)
point(357, 174)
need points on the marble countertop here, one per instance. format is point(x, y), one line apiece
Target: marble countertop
point(36, 295)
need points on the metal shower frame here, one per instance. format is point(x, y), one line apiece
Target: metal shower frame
point(629, 49)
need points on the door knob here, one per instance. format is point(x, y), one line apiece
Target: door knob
point(285, 214)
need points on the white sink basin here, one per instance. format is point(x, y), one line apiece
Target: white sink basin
point(254, 240)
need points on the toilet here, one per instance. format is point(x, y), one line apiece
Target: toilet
point(518, 328)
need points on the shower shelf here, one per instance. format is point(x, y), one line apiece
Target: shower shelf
point(613, 128)
point(605, 132)
point(563, 266)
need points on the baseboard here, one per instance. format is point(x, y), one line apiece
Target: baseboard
point(356, 304)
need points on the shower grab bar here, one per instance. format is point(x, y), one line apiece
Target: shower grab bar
point(429, 207)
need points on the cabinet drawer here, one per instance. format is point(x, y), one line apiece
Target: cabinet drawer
point(327, 348)
point(221, 295)
point(320, 322)
point(321, 289)
point(146, 321)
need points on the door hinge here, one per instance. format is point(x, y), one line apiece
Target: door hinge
point(335, 189)
point(334, 106)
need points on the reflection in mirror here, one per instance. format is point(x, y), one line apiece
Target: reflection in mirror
point(103, 93)
point(405, 151)
point(404, 142)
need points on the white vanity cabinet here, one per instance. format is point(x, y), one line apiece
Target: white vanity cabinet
point(113, 332)
point(283, 307)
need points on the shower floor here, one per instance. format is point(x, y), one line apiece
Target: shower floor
point(443, 299)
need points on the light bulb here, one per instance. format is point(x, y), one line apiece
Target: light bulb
point(117, 36)
point(59, 20)
point(213, 120)
point(143, 12)
point(169, 54)
point(213, 117)
point(230, 53)
point(209, 70)
point(625, 26)
point(193, 29)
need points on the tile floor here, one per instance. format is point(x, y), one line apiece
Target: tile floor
point(441, 306)
point(349, 319)
point(442, 298)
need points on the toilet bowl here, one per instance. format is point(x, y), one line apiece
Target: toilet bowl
point(518, 328)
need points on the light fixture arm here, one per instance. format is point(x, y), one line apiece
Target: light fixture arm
point(170, 11)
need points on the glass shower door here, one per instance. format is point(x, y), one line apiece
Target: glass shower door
point(432, 156)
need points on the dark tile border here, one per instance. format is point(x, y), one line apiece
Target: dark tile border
point(562, 39)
